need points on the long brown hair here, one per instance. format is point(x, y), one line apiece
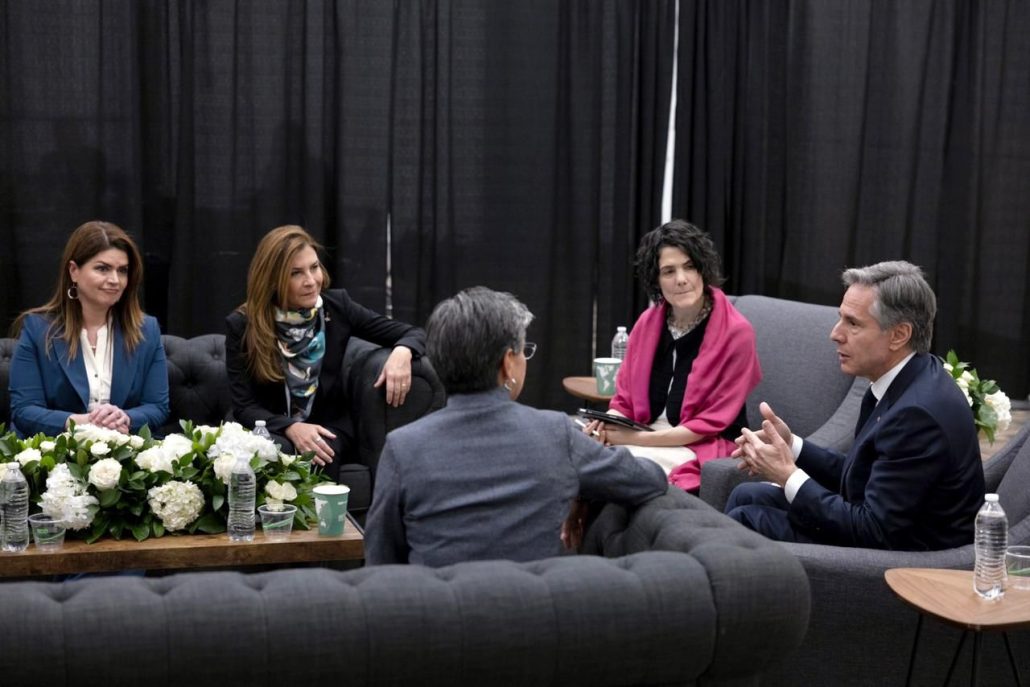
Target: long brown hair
point(267, 281)
point(65, 313)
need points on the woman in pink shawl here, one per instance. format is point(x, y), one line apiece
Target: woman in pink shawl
point(691, 359)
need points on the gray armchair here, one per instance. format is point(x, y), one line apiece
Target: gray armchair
point(860, 632)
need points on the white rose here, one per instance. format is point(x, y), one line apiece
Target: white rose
point(287, 458)
point(177, 445)
point(27, 456)
point(136, 441)
point(223, 466)
point(280, 491)
point(104, 473)
point(999, 402)
point(47, 446)
point(154, 459)
point(99, 449)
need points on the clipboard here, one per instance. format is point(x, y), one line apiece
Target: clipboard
point(614, 420)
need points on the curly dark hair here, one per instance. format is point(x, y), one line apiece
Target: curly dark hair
point(688, 238)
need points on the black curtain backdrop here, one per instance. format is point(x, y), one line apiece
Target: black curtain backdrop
point(814, 136)
point(517, 145)
point(521, 145)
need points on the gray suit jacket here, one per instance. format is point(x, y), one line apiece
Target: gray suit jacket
point(488, 478)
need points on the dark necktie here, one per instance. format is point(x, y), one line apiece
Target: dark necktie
point(868, 403)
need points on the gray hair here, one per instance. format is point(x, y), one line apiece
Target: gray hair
point(469, 334)
point(902, 295)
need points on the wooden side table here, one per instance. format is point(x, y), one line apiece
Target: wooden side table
point(585, 388)
point(948, 596)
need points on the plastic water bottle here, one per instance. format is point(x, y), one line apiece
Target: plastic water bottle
point(992, 538)
point(242, 491)
point(619, 343)
point(14, 504)
point(260, 430)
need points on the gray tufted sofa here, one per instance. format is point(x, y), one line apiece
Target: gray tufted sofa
point(198, 390)
point(700, 617)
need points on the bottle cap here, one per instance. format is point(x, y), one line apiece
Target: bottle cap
point(620, 328)
point(991, 498)
point(259, 423)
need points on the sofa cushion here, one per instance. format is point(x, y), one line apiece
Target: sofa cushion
point(198, 386)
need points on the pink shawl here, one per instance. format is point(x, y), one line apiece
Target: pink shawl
point(723, 374)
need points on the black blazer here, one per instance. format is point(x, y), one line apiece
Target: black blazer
point(913, 480)
point(252, 400)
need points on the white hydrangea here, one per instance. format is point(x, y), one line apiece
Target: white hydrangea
point(176, 504)
point(47, 446)
point(280, 492)
point(27, 456)
point(155, 459)
point(236, 440)
point(999, 402)
point(66, 499)
point(104, 473)
point(100, 449)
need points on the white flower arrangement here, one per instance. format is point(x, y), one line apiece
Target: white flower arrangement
point(104, 483)
point(991, 407)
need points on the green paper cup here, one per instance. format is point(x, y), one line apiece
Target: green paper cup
point(605, 370)
point(331, 508)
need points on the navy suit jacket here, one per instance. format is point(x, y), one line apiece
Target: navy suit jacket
point(47, 388)
point(913, 480)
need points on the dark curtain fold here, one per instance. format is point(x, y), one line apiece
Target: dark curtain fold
point(812, 136)
point(528, 151)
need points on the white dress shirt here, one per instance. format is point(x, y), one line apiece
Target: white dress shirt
point(99, 365)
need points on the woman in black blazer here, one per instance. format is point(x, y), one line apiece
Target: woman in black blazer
point(284, 349)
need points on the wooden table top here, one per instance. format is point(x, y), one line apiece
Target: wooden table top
point(585, 388)
point(949, 596)
point(183, 552)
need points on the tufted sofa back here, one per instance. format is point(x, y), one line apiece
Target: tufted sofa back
point(198, 387)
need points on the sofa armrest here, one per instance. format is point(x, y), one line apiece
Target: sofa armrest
point(718, 478)
point(373, 418)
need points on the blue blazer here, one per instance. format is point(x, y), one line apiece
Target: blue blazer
point(46, 389)
point(913, 480)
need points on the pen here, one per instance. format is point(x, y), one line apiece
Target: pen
point(583, 424)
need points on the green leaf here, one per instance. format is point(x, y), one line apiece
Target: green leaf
point(77, 471)
point(157, 528)
point(140, 531)
point(145, 432)
point(48, 463)
point(216, 501)
point(211, 524)
point(109, 497)
point(136, 509)
point(116, 529)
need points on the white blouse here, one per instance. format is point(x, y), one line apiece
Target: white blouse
point(99, 365)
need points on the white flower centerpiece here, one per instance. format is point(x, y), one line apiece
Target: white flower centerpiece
point(104, 483)
point(991, 407)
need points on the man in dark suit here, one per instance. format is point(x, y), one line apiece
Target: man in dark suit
point(913, 479)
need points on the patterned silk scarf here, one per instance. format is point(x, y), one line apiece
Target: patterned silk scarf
point(301, 337)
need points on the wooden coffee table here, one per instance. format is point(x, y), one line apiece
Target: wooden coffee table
point(948, 596)
point(172, 552)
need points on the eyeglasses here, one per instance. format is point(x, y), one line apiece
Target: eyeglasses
point(529, 349)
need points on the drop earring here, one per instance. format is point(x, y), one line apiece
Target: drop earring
point(73, 292)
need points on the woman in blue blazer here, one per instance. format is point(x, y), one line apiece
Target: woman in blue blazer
point(90, 354)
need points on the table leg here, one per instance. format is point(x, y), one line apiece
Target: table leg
point(1012, 660)
point(977, 640)
point(912, 655)
point(954, 659)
